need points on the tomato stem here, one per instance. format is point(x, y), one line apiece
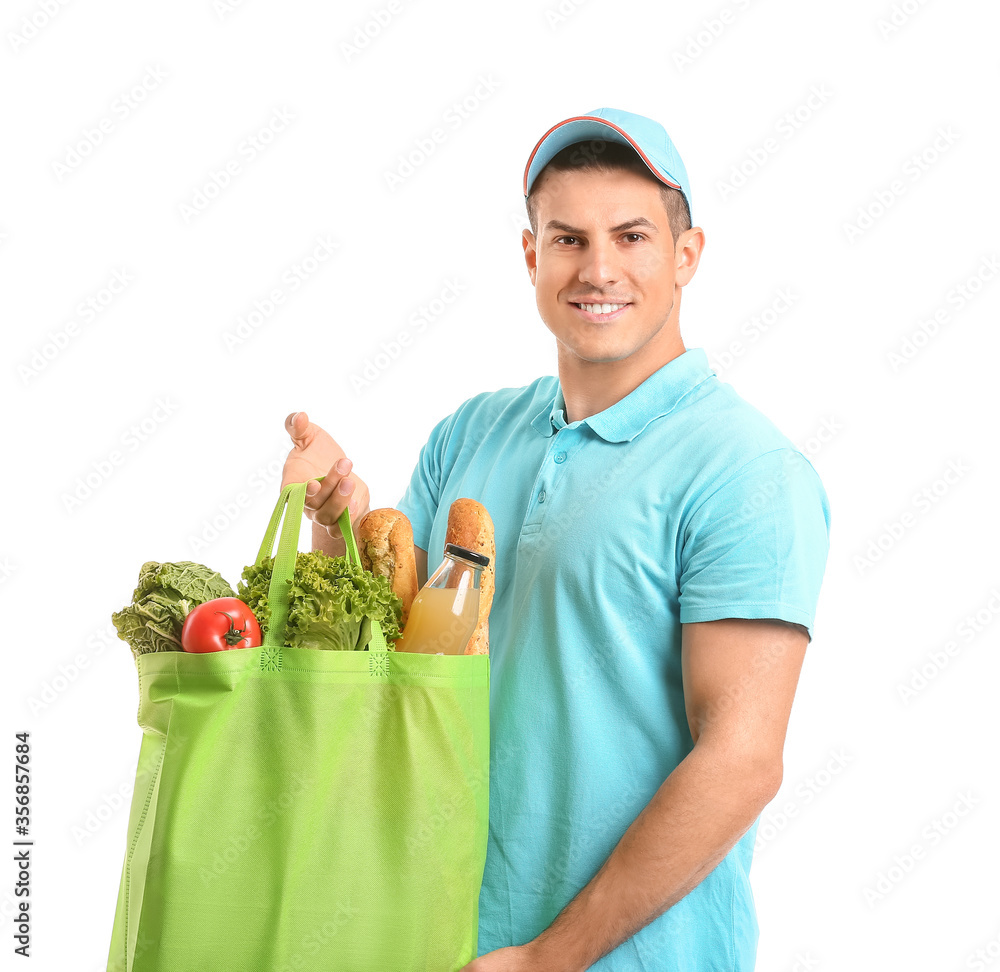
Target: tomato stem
point(234, 635)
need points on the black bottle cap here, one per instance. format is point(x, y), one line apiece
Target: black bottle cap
point(456, 550)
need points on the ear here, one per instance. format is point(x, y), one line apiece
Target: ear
point(530, 255)
point(688, 254)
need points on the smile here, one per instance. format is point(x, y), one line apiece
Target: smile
point(601, 312)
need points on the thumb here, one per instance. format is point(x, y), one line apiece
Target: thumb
point(296, 424)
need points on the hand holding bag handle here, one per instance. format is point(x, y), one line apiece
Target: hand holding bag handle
point(291, 502)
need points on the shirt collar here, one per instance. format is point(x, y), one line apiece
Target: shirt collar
point(656, 396)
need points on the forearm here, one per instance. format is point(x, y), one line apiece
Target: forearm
point(321, 539)
point(693, 820)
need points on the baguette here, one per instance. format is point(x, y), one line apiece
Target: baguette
point(385, 542)
point(470, 526)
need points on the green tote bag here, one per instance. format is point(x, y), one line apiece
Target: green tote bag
point(305, 810)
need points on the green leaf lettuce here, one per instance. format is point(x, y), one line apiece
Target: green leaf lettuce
point(331, 602)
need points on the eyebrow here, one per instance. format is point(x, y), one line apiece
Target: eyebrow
point(555, 224)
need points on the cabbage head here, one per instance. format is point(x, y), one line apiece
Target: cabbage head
point(163, 598)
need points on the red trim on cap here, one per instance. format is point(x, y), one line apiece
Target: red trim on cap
point(603, 121)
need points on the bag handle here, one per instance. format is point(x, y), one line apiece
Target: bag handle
point(291, 504)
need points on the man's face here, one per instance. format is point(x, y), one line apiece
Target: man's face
point(604, 237)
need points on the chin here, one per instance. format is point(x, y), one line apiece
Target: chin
point(597, 352)
point(588, 342)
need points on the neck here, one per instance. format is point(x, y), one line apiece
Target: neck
point(590, 387)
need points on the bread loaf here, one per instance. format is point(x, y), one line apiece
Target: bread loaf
point(385, 542)
point(470, 526)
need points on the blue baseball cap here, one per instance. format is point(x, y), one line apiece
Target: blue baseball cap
point(648, 138)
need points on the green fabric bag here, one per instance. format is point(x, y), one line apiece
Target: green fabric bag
point(299, 809)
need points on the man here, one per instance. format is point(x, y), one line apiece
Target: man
point(660, 549)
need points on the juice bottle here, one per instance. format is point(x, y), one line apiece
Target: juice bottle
point(445, 612)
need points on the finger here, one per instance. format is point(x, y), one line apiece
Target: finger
point(317, 498)
point(330, 512)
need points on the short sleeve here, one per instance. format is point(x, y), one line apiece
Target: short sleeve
point(757, 546)
point(422, 497)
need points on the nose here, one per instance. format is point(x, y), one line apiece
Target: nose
point(600, 265)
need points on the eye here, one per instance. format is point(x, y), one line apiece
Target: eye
point(639, 235)
point(559, 239)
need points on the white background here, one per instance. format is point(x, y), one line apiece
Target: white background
point(879, 430)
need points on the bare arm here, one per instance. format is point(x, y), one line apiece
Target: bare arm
point(739, 682)
point(332, 546)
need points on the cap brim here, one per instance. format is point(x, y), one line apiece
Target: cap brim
point(582, 128)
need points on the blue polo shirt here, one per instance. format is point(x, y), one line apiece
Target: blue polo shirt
point(679, 503)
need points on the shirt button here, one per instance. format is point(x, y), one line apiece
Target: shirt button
point(560, 457)
point(541, 496)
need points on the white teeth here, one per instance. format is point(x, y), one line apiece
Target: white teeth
point(601, 308)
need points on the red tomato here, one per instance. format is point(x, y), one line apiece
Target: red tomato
point(220, 625)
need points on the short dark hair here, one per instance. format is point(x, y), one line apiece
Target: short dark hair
point(606, 156)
